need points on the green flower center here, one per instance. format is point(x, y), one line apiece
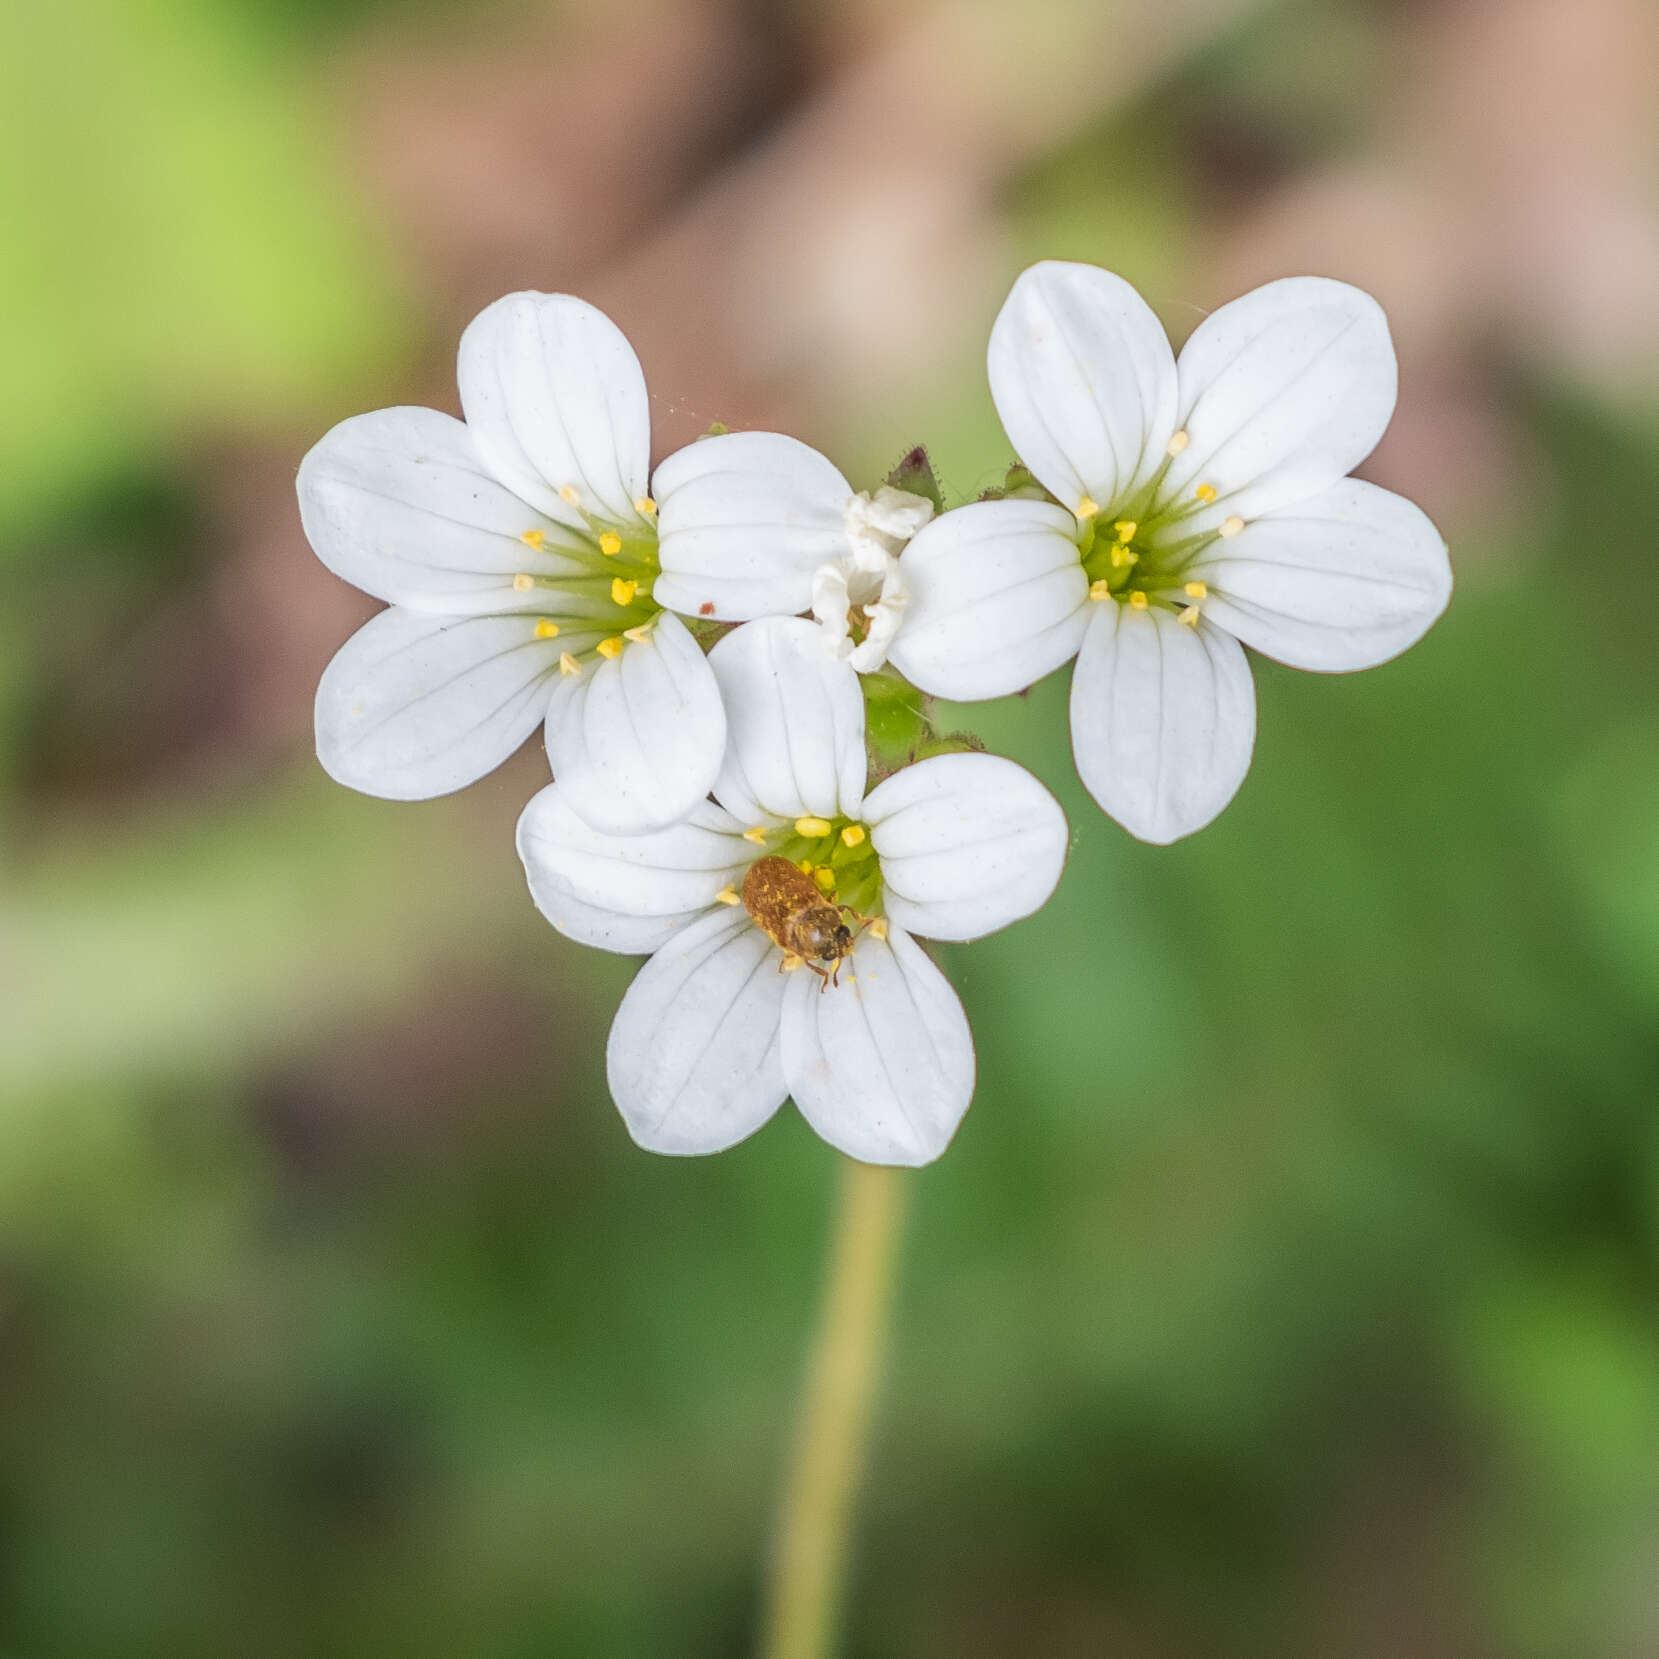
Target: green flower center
point(836, 853)
point(596, 585)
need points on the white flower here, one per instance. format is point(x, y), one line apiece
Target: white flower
point(1205, 504)
point(517, 552)
point(715, 1031)
point(756, 524)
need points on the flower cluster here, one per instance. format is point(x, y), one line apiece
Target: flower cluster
point(694, 643)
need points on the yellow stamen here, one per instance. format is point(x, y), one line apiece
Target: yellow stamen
point(727, 895)
point(568, 664)
point(622, 590)
point(645, 506)
point(804, 865)
point(1177, 442)
point(1205, 493)
point(1087, 507)
point(609, 648)
point(1196, 590)
point(825, 878)
point(522, 583)
point(1189, 616)
point(1126, 528)
point(852, 835)
point(791, 962)
point(1101, 589)
point(1122, 556)
point(812, 828)
point(878, 928)
point(756, 835)
point(1232, 526)
point(570, 495)
point(533, 538)
point(638, 635)
point(1137, 601)
point(546, 628)
point(610, 544)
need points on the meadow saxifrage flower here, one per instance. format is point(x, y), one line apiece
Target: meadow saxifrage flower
point(1198, 506)
point(758, 524)
point(722, 1023)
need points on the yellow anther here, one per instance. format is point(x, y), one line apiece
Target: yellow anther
point(570, 495)
point(791, 962)
point(1101, 589)
point(1232, 526)
point(1177, 442)
point(813, 828)
point(1122, 556)
point(568, 664)
point(878, 928)
point(727, 895)
point(756, 835)
point(1196, 590)
point(1126, 528)
point(1137, 601)
point(522, 583)
point(1189, 616)
point(1205, 493)
point(622, 590)
point(546, 628)
point(804, 865)
point(533, 538)
point(852, 835)
point(645, 506)
point(825, 878)
point(609, 648)
point(610, 544)
point(638, 635)
point(1087, 506)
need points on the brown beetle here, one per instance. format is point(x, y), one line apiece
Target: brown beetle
point(789, 908)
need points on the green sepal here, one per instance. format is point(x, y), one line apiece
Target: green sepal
point(896, 721)
point(1019, 484)
point(915, 474)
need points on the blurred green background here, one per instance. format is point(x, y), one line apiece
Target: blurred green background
point(1292, 1286)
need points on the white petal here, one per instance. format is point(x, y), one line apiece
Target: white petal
point(968, 843)
point(628, 893)
point(1282, 392)
point(1344, 580)
point(1084, 380)
point(998, 599)
point(555, 399)
point(1163, 719)
point(398, 503)
point(795, 720)
point(693, 1058)
point(635, 740)
point(414, 705)
point(744, 519)
point(881, 1065)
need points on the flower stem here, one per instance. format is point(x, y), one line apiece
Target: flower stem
point(828, 1454)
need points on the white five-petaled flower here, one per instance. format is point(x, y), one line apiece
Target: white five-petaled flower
point(714, 1032)
point(1204, 503)
point(758, 524)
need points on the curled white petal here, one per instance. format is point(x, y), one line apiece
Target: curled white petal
point(628, 893)
point(1346, 579)
point(795, 724)
point(998, 599)
point(555, 400)
point(635, 741)
point(1084, 380)
point(694, 1053)
point(743, 520)
point(1163, 720)
point(398, 503)
point(877, 526)
point(415, 705)
point(870, 588)
point(882, 1065)
point(968, 843)
point(1282, 392)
